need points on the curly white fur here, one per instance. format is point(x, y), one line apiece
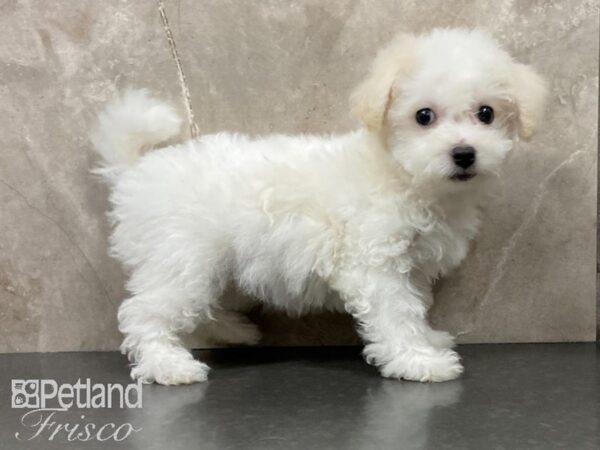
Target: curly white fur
point(374, 215)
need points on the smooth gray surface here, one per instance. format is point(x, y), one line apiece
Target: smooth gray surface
point(542, 396)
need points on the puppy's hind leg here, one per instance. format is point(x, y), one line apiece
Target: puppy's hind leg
point(151, 321)
point(228, 327)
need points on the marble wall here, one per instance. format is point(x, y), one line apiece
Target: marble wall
point(278, 65)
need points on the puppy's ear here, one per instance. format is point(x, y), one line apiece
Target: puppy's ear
point(371, 99)
point(530, 92)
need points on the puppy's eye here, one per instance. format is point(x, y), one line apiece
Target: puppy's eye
point(485, 114)
point(425, 116)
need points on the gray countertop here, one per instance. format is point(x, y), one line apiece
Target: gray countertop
point(527, 396)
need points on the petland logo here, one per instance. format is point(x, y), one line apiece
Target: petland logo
point(47, 401)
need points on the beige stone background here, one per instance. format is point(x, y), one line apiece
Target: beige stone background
point(278, 65)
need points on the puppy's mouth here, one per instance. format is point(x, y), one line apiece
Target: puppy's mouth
point(462, 176)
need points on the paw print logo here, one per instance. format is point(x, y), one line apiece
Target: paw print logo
point(25, 393)
point(18, 400)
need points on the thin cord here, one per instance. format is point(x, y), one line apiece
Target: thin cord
point(182, 81)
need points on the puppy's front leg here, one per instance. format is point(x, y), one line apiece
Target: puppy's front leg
point(391, 310)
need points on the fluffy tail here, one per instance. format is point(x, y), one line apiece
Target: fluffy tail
point(130, 125)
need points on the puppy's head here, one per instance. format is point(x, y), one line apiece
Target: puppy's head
point(449, 104)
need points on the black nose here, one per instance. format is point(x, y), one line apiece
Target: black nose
point(464, 156)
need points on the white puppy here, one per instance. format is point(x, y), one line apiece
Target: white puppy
point(375, 215)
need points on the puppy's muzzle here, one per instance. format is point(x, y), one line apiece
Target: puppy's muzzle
point(464, 158)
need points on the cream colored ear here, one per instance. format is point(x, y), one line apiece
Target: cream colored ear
point(370, 100)
point(530, 91)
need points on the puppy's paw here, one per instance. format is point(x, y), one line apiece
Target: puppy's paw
point(440, 339)
point(171, 371)
point(437, 365)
